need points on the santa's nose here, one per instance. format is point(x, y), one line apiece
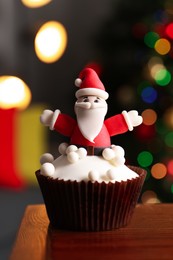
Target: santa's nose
point(85, 105)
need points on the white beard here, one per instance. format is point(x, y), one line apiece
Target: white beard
point(90, 121)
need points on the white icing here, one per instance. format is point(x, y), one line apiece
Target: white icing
point(48, 169)
point(62, 148)
point(108, 154)
point(82, 152)
point(72, 157)
point(71, 148)
point(118, 150)
point(93, 168)
point(46, 157)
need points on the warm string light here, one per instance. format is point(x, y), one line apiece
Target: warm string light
point(170, 167)
point(158, 75)
point(158, 170)
point(168, 117)
point(50, 41)
point(150, 39)
point(35, 3)
point(169, 7)
point(149, 197)
point(149, 117)
point(14, 93)
point(169, 30)
point(145, 158)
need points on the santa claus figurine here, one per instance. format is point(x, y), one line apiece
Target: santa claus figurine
point(90, 130)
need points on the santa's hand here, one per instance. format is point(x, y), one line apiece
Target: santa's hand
point(132, 119)
point(46, 117)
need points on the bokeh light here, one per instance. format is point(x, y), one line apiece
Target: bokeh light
point(159, 28)
point(149, 94)
point(162, 77)
point(149, 116)
point(170, 167)
point(50, 41)
point(154, 65)
point(168, 117)
point(35, 3)
point(145, 132)
point(161, 127)
point(145, 158)
point(158, 171)
point(169, 6)
point(126, 95)
point(169, 139)
point(169, 30)
point(162, 46)
point(149, 196)
point(150, 39)
point(14, 93)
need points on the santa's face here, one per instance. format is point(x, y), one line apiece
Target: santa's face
point(90, 112)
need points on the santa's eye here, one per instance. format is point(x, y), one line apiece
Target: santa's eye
point(86, 99)
point(97, 100)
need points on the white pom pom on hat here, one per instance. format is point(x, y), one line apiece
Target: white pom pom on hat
point(90, 85)
point(78, 82)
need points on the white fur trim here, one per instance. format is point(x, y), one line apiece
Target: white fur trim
point(127, 119)
point(92, 92)
point(54, 118)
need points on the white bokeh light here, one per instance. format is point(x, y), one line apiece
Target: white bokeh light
point(50, 41)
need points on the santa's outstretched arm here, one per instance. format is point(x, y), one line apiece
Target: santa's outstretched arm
point(62, 123)
point(121, 123)
point(132, 119)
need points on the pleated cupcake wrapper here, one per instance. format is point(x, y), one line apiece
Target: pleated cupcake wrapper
point(87, 206)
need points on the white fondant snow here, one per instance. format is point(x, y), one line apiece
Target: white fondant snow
point(93, 168)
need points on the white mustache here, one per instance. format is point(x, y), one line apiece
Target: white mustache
point(88, 105)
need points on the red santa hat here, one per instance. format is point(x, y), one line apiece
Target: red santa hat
point(90, 85)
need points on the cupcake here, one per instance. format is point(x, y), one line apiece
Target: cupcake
point(88, 187)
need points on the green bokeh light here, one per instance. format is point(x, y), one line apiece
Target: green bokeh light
point(161, 127)
point(169, 139)
point(172, 188)
point(145, 159)
point(150, 39)
point(163, 77)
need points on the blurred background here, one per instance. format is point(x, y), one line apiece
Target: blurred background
point(44, 44)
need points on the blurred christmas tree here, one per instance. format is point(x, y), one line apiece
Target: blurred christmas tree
point(136, 46)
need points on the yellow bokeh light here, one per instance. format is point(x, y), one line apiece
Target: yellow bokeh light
point(14, 93)
point(154, 61)
point(168, 117)
point(155, 69)
point(35, 3)
point(149, 117)
point(155, 64)
point(162, 46)
point(158, 171)
point(149, 197)
point(50, 41)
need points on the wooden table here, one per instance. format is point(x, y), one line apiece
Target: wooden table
point(148, 236)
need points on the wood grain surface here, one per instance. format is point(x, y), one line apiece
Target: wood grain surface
point(148, 236)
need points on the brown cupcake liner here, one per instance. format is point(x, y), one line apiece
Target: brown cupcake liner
point(87, 206)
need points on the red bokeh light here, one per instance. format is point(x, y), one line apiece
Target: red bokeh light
point(169, 30)
point(170, 167)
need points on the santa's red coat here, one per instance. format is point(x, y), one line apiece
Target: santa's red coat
point(68, 126)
